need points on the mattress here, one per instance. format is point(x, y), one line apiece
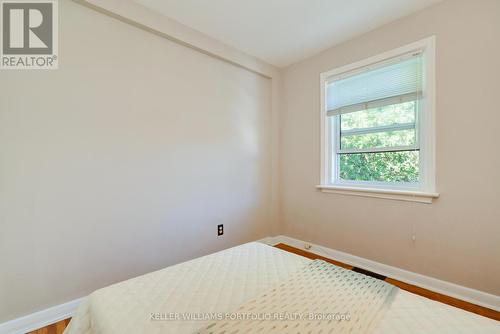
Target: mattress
point(183, 298)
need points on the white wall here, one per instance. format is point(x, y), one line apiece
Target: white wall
point(457, 237)
point(124, 160)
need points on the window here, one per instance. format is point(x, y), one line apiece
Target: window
point(378, 125)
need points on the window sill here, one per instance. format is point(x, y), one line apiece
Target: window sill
point(398, 195)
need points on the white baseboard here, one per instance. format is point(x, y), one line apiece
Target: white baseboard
point(40, 319)
point(450, 289)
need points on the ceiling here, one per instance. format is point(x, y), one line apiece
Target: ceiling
point(282, 32)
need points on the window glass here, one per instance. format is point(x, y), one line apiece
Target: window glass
point(393, 114)
point(380, 167)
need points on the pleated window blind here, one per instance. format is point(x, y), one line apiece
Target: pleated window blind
point(391, 82)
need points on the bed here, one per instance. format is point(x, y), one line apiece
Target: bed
point(192, 297)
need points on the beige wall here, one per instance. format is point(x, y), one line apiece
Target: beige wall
point(457, 237)
point(124, 160)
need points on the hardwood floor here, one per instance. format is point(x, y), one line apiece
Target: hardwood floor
point(486, 312)
point(58, 328)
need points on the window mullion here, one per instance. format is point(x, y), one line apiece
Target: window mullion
point(378, 129)
point(379, 149)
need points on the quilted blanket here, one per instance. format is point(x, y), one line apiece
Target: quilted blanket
point(320, 298)
point(180, 299)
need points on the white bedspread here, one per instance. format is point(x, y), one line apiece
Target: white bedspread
point(220, 282)
point(211, 284)
point(319, 298)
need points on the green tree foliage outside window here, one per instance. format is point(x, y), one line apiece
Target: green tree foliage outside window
point(400, 166)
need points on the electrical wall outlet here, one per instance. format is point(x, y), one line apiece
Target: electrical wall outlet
point(220, 230)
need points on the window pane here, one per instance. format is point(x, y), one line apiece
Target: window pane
point(379, 140)
point(388, 115)
point(382, 167)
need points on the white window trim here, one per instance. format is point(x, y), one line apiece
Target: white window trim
point(425, 191)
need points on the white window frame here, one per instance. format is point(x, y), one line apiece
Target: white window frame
point(425, 190)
